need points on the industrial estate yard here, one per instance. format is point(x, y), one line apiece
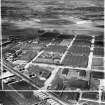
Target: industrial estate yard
point(52, 52)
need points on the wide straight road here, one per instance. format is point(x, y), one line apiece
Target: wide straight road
point(28, 80)
point(5, 64)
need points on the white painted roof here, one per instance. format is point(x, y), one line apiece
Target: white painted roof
point(5, 75)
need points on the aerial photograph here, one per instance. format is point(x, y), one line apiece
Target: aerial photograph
point(52, 52)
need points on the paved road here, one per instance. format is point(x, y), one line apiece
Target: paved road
point(19, 74)
point(28, 80)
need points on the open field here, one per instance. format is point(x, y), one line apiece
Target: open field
point(29, 16)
